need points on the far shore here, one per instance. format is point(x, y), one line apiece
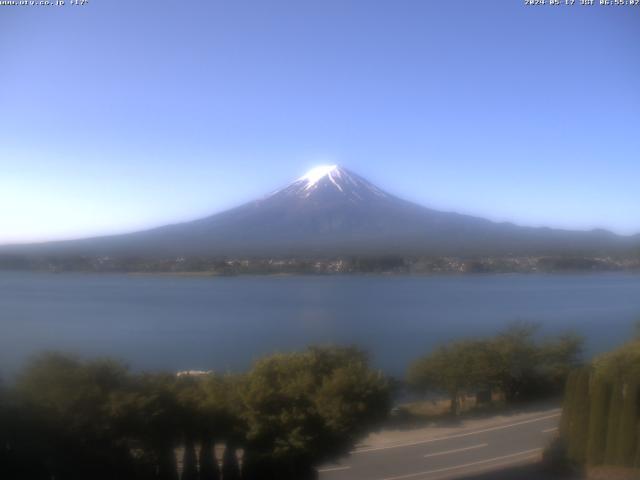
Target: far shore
point(213, 274)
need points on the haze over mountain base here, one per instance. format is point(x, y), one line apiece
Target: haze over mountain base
point(331, 212)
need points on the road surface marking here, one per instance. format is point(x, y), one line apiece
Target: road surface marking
point(428, 455)
point(486, 468)
point(332, 469)
point(458, 435)
point(549, 430)
point(465, 465)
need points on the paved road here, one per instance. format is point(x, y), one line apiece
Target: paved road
point(456, 455)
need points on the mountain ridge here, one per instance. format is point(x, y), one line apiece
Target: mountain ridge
point(332, 211)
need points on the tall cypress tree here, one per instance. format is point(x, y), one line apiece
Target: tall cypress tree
point(628, 427)
point(579, 420)
point(598, 416)
point(254, 466)
point(230, 467)
point(208, 463)
point(636, 462)
point(567, 405)
point(189, 462)
point(167, 468)
point(613, 423)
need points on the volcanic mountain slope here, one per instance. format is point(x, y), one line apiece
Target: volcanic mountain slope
point(332, 211)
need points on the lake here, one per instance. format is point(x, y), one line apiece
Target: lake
point(177, 323)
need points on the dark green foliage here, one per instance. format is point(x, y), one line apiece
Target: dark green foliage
point(65, 416)
point(251, 468)
point(189, 462)
point(600, 398)
point(636, 461)
point(556, 357)
point(622, 367)
point(208, 463)
point(305, 408)
point(230, 467)
point(556, 461)
point(516, 360)
point(74, 420)
point(613, 403)
point(628, 426)
point(527, 368)
point(579, 418)
point(567, 404)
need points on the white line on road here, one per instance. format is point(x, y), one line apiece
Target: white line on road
point(472, 464)
point(332, 469)
point(487, 467)
point(429, 455)
point(458, 435)
point(549, 430)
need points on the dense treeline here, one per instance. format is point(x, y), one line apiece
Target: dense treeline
point(601, 415)
point(514, 362)
point(66, 418)
point(319, 265)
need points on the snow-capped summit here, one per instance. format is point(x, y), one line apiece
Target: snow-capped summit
point(325, 180)
point(317, 173)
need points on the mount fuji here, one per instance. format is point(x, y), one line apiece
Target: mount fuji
point(332, 211)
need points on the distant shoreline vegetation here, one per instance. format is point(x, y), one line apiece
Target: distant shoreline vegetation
point(383, 264)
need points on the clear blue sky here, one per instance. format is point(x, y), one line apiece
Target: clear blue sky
point(121, 115)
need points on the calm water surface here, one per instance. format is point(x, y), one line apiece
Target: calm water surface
point(224, 323)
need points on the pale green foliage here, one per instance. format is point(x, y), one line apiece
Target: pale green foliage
point(512, 361)
point(622, 364)
point(455, 368)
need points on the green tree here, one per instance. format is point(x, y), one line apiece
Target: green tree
point(567, 404)
point(636, 461)
point(516, 359)
point(230, 467)
point(72, 400)
point(579, 418)
point(622, 363)
point(208, 463)
point(525, 368)
point(556, 357)
point(150, 413)
point(622, 368)
point(613, 423)
point(305, 408)
point(600, 398)
point(189, 461)
point(454, 369)
point(628, 425)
